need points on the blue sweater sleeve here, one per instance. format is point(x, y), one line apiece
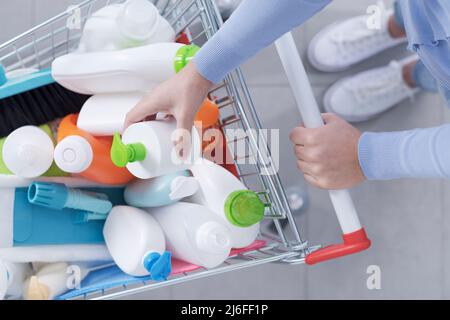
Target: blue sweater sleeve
point(253, 26)
point(419, 153)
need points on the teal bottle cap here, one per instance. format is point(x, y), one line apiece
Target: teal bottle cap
point(159, 266)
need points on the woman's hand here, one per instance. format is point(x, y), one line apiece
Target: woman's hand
point(180, 97)
point(328, 156)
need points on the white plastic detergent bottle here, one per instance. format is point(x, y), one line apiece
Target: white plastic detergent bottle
point(28, 152)
point(160, 191)
point(127, 70)
point(147, 149)
point(12, 278)
point(130, 24)
point(104, 114)
point(137, 243)
point(239, 208)
point(194, 234)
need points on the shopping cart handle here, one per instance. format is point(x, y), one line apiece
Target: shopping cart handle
point(355, 238)
point(353, 242)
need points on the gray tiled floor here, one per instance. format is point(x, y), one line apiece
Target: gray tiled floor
point(405, 219)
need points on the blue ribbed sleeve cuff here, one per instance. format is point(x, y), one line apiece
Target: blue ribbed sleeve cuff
point(380, 155)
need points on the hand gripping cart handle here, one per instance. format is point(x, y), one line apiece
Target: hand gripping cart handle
point(354, 235)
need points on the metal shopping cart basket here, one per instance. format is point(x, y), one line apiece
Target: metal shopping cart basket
point(196, 21)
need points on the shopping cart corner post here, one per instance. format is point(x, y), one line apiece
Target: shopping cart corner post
point(353, 234)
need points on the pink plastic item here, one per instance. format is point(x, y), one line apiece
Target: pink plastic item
point(181, 266)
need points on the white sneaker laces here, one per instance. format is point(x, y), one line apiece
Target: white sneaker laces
point(378, 86)
point(360, 37)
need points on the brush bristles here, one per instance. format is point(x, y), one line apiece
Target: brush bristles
point(38, 107)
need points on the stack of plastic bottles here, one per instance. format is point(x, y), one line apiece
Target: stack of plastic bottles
point(82, 192)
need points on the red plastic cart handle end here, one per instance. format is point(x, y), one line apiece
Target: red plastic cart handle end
point(353, 242)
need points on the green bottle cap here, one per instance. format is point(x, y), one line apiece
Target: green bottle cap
point(122, 154)
point(184, 55)
point(244, 208)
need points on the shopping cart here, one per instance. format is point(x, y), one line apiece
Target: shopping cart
point(195, 21)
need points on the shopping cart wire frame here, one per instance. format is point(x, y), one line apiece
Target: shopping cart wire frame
point(198, 20)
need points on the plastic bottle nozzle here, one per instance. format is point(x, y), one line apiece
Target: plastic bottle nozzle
point(50, 195)
point(159, 266)
point(83, 217)
point(3, 78)
point(184, 55)
point(244, 208)
point(36, 290)
point(213, 238)
point(58, 196)
point(122, 154)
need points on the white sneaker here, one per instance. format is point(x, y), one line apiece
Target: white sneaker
point(346, 43)
point(369, 93)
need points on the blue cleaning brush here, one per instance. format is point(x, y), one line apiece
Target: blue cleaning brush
point(85, 216)
point(34, 99)
point(92, 206)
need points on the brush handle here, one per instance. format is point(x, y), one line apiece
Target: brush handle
point(88, 201)
point(3, 78)
point(310, 112)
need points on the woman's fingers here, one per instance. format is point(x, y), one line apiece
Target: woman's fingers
point(185, 118)
point(145, 109)
point(305, 167)
point(311, 179)
point(305, 137)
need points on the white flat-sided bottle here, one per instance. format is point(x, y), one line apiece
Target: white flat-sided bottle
point(239, 208)
point(194, 234)
point(104, 114)
point(12, 278)
point(127, 70)
point(137, 243)
point(130, 24)
point(147, 149)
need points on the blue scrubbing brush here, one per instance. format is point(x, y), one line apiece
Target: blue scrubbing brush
point(34, 99)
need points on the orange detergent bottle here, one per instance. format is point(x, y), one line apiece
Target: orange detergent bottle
point(208, 114)
point(84, 155)
point(214, 143)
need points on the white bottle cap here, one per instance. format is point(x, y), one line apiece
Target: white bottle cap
point(73, 154)
point(28, 152)
point(138, 19)
point(213, 238)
